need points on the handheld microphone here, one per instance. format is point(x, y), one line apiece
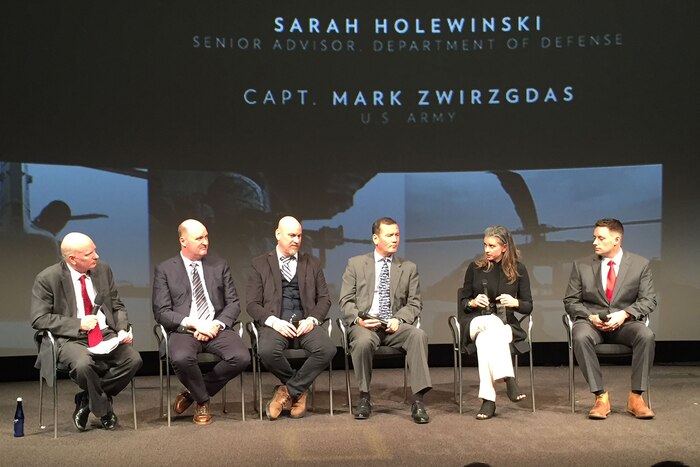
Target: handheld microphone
point(99, 300)
point(366, 315)
point(484, 285)
point(603, 316)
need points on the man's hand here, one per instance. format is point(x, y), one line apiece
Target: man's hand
point(285, 328)
point(87, 323)
point(371, 323)
point(208, 329)
point(201, 337)
point(305, 325)
point(393, 325)
point(125, 337)
point(616, 319)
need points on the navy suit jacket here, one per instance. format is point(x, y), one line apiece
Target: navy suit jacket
point(264, 290)
point(172, 292)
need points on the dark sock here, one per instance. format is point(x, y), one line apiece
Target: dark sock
point(418, 397)
point(364, 395)
point(639, 393)
point(598, 393)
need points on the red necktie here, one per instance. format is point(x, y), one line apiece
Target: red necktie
point(94, 335)
point(610, 283)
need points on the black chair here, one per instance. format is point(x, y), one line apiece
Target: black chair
point(39, 336)
point(289, 354)
point(602, 350)
point(383, 352)
point(205, 360)
point(457, 356)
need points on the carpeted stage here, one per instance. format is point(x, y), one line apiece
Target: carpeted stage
point(516, 436)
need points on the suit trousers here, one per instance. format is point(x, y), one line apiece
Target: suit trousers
point(227, 345)
point(412, 340)
point(272, 345)
point(492, 339)
point(634, 334)
point(102, 376)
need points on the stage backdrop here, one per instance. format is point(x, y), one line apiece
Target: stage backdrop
point(120, 120)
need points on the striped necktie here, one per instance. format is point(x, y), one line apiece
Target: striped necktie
point(198, 293)
point(384, 291)
point(286, 270)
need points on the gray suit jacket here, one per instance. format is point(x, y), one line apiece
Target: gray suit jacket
point(172, 292)
point(634, 288)
point(357, 291)
point(264, 290)
point(54, 308)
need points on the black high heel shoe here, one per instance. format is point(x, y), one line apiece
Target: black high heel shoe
point(514, 392)
point(487, 410)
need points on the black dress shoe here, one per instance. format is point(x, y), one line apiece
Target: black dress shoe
point(364, 409)
point(82, 411)
point(418, 413)
point(109, 421)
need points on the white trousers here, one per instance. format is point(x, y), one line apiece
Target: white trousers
point(492, 339)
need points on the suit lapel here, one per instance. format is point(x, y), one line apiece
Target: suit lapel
point(369, 275)
point(395, 277)
point(301, 272)
point(273, 263)
point(183, 276)
point(68, 290)
point(597, 278)
point(621, 273)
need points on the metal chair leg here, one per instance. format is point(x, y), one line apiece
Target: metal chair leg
point(242, 398)
point(330, 386)
point(459, 360)
point(133, 403)
point(532, 380)
point(223, 399)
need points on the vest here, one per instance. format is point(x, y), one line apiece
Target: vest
point(291, 300)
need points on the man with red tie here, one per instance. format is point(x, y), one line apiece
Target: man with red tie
point(608, 297)
point(77, 301)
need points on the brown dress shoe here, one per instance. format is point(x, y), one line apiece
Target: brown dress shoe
point(201, 414)
point(281, 400)
point(601, 408)
point(298, 409)
point(182, 402)
point(637, 407)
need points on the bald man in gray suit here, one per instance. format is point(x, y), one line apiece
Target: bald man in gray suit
point(608, 296)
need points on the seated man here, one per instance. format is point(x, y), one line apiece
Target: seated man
point(288, 297)
point(380, 301)
point(62, 302)
point(608, 296)
point(196, 302)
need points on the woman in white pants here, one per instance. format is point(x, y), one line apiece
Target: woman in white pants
point(495, 285)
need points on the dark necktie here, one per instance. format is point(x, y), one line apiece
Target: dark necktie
point(286, 270)
point(198, 293)
point(610, 283)
point(384, 294)
point(95, 334)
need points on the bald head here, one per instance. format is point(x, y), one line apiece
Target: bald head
point(79, 252)
point(288, 235)
point(194, 239)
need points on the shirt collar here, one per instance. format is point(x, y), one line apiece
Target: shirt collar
point(280, 255)
point(188, 262)
point(378, 257)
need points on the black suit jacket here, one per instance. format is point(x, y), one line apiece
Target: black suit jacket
point(54, 308)
point(264, 290)
point(172, 292)
point(497, 284)
point(634, 288)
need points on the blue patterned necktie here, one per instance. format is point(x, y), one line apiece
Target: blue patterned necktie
point(384, 294)
point(198, 293)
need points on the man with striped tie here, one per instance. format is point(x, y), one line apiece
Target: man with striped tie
point(288, 297)
point(380, 301)
point(195, 300)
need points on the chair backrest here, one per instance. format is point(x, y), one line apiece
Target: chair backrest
point(604, 349)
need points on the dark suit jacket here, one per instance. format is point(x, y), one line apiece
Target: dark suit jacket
point(54, 307)
point(172, 292)
point(497, 284)
point(264, 290)
point(357, 291)
point(634, 288)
